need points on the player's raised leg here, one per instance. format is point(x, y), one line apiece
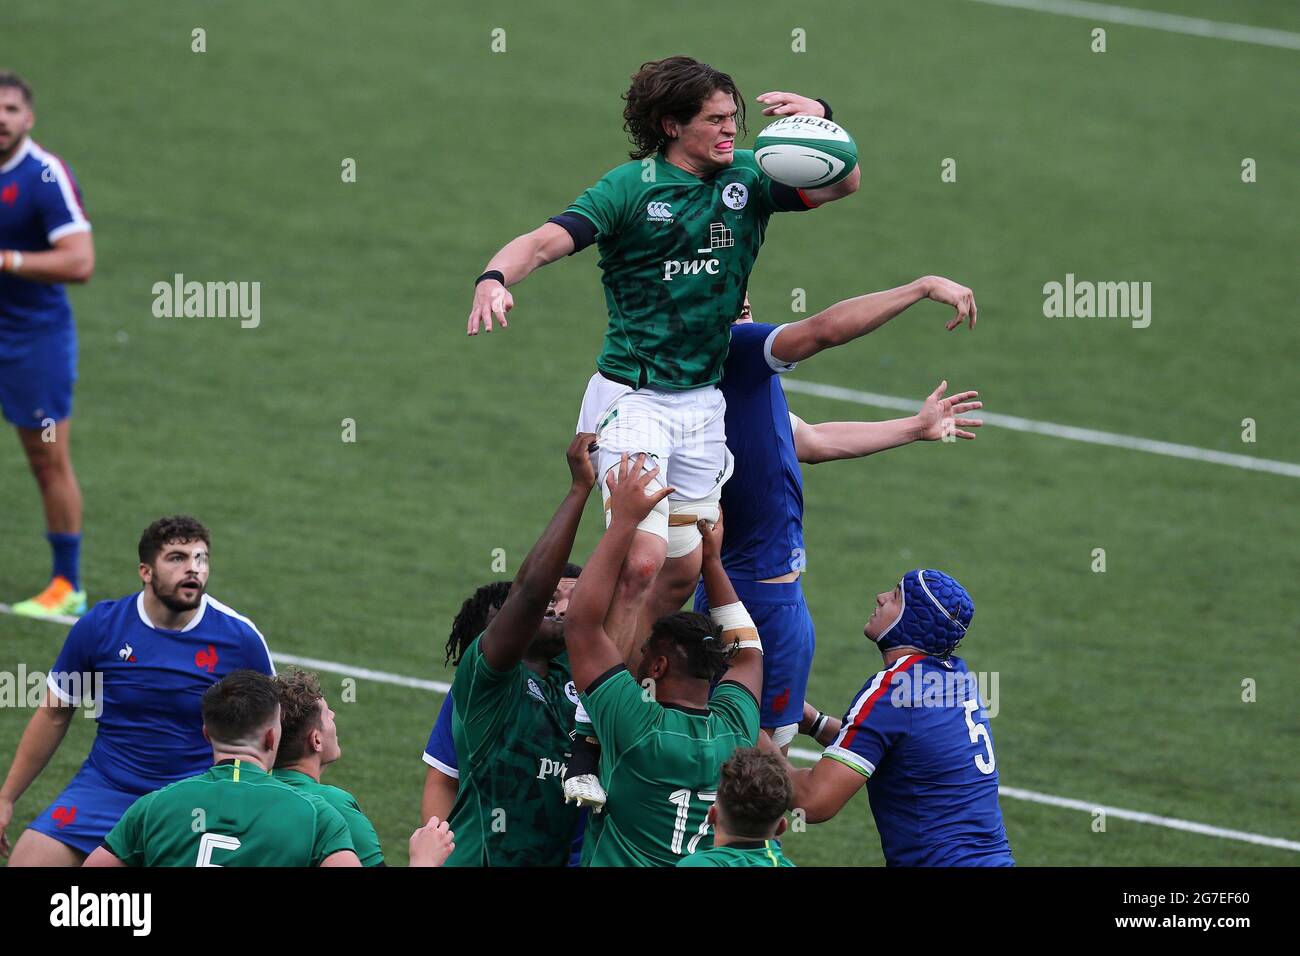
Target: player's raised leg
point(49, 458)
point(672, 587)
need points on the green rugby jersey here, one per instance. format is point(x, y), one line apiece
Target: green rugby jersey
point(742, 853)
point(675, 255)
point(235, 814)
point(660, 765)
point(364, 838)
point(512, 731)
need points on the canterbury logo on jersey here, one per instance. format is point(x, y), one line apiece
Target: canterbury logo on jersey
point(658, 212)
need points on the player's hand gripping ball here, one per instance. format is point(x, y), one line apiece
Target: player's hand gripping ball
point(806, 152)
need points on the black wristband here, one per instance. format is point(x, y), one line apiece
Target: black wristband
point(491, 274)
point(819, 725)
point(827, 107)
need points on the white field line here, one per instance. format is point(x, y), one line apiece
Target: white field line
point(1154, 20)
point(1015, 793)
point(1070, 432)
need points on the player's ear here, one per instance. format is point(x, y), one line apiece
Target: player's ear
point(780, 826)
point(317, 740)
point(205, 734)
point(712, 815)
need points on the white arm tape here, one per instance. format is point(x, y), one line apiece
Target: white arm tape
point(731, 617)
point(756, 645)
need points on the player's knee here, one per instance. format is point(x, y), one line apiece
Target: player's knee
point(45, 469)
point(639, 572)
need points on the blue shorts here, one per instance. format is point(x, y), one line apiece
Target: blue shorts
point(786, 628)
point(85, 811)
point(36, 379)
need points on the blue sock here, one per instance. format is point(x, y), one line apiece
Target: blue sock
point(67, 556)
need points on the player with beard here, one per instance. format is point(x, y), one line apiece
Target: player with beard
point(148, 658)
point(513, 706)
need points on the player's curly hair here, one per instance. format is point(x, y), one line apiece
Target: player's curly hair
point(180, 529)
point(753, 794)
point(676, 87)
point(299, 691)
point(693, 642)
point(472, 618)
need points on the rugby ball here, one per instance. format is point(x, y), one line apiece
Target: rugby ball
point(806, 152)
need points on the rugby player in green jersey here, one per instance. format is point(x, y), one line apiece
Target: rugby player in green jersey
point(235, 814)
point(309, 742)
point(749, 813)
point(678, 229)
point(664, 737)
point(513, 706)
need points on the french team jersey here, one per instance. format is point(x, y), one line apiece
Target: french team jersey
point(440, 751)
point(150, 722)
point(39, 204)
point(763, 499)
point(918, 733)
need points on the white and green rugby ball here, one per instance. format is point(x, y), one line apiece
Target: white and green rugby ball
point(806, 152)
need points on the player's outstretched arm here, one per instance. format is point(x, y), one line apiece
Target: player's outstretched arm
point(822, 790)
point(853, 318)
point(591, 652)
point(517, 259)
point(45, 731)
point(747, 665)
point(938, 418)
point(508, 636)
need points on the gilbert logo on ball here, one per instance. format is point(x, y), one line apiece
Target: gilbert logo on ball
point(806, 152)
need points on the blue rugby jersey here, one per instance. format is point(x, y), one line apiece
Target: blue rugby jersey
point(440, 751)
point(39, 204)
point(151, 723)
point(762, 502)
point(917, 732)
